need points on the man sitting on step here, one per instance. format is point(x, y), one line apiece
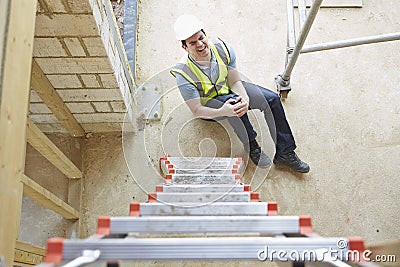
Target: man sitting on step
point(212, 88)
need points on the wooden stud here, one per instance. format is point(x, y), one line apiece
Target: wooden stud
point(75, 189)
point(28, 254)
point(16, 47)
point(48, 199)
point(30, 248)
point(50, 151)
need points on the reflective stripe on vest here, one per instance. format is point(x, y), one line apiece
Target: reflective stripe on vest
point(201, 81)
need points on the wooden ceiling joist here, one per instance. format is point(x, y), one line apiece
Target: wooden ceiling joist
point(48, 199)
point(50, 151)
point(53, 101)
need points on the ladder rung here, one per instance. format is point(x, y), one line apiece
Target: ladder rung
point(203, 197)
point(203, 179)
point(229, 248)
point(207, 161)
point(216, 209)
point(207, 165)
point(270, 225)
point(207, 171)
point(179, 188)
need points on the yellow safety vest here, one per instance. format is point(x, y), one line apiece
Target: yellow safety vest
point(193, 74)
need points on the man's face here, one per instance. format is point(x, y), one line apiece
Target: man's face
point(197, 46)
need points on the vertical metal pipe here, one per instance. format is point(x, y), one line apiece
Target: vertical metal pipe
point(291, 40)
point(302, 38)
point(130, 29)
point(302, 11)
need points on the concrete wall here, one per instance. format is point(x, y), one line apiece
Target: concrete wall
point(38, 223)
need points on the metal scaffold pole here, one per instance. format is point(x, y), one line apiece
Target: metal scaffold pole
point(352, 42)
point(291, 32)
point(294, 48)
point(283, 80)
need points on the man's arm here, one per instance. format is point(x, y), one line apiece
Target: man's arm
point(200, 111)
point(227, 109)
point(236, 85)
point(192, 98)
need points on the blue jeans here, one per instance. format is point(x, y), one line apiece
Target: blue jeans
point(270, 104)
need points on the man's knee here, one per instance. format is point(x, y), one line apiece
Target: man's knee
point(268, 94)
point(271, 96)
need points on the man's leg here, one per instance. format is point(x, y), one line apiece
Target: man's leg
point(244, 130)
point(270, 103)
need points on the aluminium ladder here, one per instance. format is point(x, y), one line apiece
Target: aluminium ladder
point(202, 212)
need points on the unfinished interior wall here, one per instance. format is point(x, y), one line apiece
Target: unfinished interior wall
point(103, 47)
point(108, 187)
point(37, 222)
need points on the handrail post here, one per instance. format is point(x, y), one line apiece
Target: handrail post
point(283, 81)
point(291, 31)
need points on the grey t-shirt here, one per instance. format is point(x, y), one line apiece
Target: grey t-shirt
point(188, 90)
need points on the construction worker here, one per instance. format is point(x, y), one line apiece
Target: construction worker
point(212, 88)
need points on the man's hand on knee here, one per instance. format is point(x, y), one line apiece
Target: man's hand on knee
point(228, 108)
point(241, 107)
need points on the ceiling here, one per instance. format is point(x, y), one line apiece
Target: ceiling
point(79, 67)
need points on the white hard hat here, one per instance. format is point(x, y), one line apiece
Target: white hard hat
point(187, 25)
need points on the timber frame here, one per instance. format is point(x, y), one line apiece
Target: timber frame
point(72, 57)
point(17, 129)
point(16, 57)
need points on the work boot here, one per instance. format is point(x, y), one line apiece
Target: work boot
point(258, 156)
point(292, 161)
